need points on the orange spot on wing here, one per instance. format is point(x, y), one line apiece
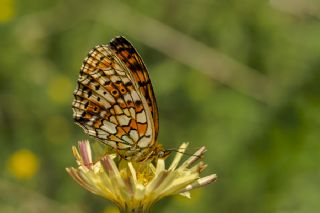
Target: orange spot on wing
point(139, 108)
point(133, 124)
point(92, 108)
point(130, 104)
point(141, 76)
point(88, 116)
point(126, 129)
point(97, 124)
point(120, 132)
point(142, 128)
point(125, 53)
point(114, 138)
point(132, 60)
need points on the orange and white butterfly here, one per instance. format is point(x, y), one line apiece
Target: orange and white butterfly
point(115, 103)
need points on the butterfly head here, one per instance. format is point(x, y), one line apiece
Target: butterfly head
point(152, 153)
point(160, 152)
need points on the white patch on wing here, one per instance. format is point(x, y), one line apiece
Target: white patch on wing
point(113, 119)
point(105, 103)
point(109, 97)
point(126, 112)
point(127, 97)
point(119, 72)
point(84, 80)
point(115, 78)
point(109, 127)
point(117, 109)
point(89, 130)
point(141, 117)
point(144, 142)
point(117, 67)
point(75, 104)
point(109, 72)
point(123, 120)
point(76, 112)
point(134, 135)
point(102, 134)
point(111, 143)
point(93, 119)
point(135, 96)
point(127, 139)
point(90, 60)
point(132, 112)
point(103, 113)
point(125, 80)
point(120, 101)
point(103, 80)
point(96, 75)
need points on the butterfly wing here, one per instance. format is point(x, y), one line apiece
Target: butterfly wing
point(127, 53)
point(108, 104)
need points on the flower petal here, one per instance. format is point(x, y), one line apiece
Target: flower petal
point(195, 157)
point(200, 182)
point(178, 156)
point(111, 168)
point(85, 151)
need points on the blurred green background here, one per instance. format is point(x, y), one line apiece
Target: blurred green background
point(240, 77)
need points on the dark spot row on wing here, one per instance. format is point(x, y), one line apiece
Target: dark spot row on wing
point(128, 84)
point(144, 83)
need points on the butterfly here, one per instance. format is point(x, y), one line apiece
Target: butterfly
point(114, 101)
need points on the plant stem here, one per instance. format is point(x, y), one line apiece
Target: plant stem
point(140, 208)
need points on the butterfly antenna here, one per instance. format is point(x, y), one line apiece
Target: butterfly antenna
point(190, 148)
point(184, 153)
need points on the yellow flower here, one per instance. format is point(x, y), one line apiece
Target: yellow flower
point(7, 10)
point(135, 187)
point(23, 164)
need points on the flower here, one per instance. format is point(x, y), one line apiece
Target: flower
point(135, 187)
point(23, 164)
point(7, 10)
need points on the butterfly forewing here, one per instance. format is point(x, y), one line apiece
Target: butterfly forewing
point(127, 53)
point(108, 103)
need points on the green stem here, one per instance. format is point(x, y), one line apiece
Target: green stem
point(139, 208)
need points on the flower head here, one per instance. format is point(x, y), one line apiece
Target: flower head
point(23, 164)
point(136, 186)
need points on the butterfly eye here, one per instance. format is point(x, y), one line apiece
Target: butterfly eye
point(160, 154)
